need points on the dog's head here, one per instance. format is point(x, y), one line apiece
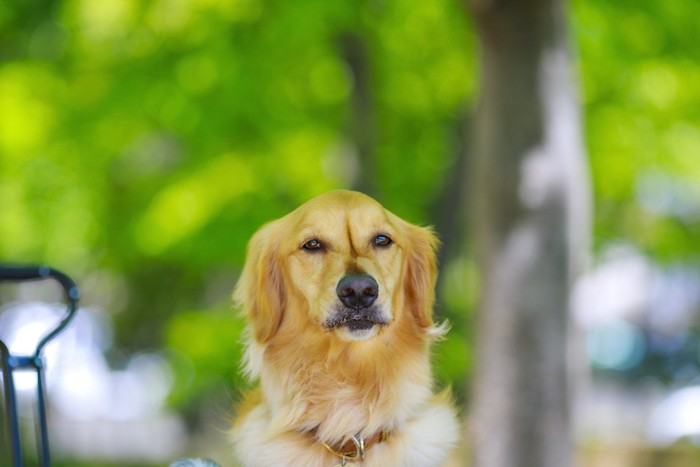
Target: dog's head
point(343, 261)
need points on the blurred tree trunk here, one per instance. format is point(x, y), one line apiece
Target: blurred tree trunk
point(531, 215)
point(362, 120)
point(452, 229)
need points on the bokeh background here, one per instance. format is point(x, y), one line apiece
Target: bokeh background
point(142, 143)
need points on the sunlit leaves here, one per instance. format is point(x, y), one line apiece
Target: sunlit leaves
point(183, 207)
point(27, 114)
point(205, 350)
point(639, 64)
point(197, 73)
point(17, 233)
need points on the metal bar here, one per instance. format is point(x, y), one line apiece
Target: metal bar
point(35, 362)
point(11, 406)
point(42, 433)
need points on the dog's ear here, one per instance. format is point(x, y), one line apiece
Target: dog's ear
point(260, 290)
point(420, 273)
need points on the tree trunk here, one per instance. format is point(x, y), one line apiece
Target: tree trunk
point(363, 120)
point(531, 219)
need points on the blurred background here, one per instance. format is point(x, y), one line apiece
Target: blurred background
point(142, 143)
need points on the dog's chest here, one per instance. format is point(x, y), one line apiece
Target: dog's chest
point(338, 409)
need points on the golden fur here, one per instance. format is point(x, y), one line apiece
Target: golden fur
point(325, 384)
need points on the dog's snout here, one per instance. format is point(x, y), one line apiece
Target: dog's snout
point(357, 291)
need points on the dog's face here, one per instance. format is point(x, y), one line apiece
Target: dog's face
point(352, 267)
point(345, 261)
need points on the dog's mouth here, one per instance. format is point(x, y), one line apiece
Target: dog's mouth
point(355, 319)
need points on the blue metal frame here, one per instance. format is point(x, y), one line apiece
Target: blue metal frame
point(34, 362)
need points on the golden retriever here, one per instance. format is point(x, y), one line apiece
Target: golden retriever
point(339, 297)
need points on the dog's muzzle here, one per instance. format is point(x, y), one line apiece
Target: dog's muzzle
point(357, 294)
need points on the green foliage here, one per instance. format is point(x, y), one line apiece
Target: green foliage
point(205, 350)
point(640, 64)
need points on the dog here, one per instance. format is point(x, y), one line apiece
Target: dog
point(338, 295)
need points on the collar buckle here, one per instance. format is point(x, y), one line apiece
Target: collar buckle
point(357, 450)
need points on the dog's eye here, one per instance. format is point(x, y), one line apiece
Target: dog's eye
point(312, 245)
point(382, 240)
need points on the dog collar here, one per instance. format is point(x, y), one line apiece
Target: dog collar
point(354, 449)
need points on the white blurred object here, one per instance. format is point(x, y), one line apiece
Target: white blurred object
point(97, 412)
point(627, 285)
point(617, 288)
point(630, 308)
point(676, 417)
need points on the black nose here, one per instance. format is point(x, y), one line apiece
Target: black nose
point(357, 291)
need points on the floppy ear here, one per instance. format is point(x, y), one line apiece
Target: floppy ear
point(260, 289)
point(420, 273)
